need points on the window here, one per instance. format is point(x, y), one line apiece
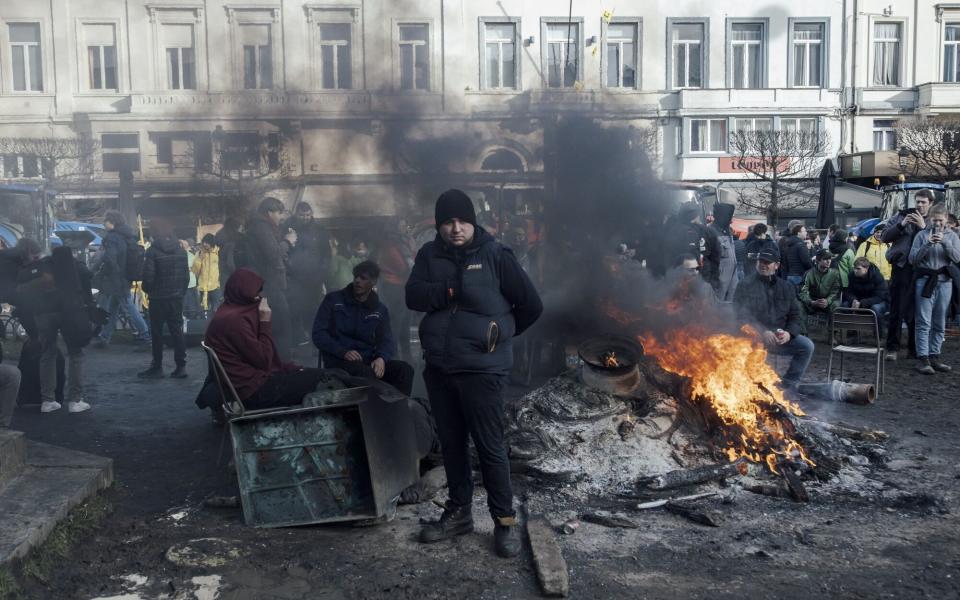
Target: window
point(24, 166)
point(884, 134)
point(687, 41)
point(951, 52)
point(806, 125)
point(336, 67)
point(240, 151)
point(708, 135)
point(180, 57)
point(622, 49)
point(746, 54)
point(121, 152)
point(563, 54)
point(101, 43)
point(886, 53)
point(414, 56)
point(762, 124)
point(808, 54)
point(499, 69)
point(257, 56)
point(182, 149)
point(25, 56)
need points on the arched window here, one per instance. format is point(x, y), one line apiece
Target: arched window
point(502, 160)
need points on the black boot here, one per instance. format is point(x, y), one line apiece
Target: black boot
point(924, 366)
point(506, 537)
point(939, 365)
point(154, 372)
point(455, 520)
point(180, 372)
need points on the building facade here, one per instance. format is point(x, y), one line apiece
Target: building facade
point(368, 107)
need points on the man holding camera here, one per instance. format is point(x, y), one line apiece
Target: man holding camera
point(899, 232)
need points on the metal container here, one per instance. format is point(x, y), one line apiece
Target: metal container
point(342, 461)
point(839, 391)
point(621, 379)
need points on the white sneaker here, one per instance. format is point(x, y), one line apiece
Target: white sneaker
point(78, 406)
point(49, 406)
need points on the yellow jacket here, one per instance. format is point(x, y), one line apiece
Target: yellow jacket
point(207, 269)
point(876, 252)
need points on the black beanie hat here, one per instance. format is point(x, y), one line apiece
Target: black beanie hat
point(454, 204)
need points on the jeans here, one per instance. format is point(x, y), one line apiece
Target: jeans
point(470, 405)
point(9, 386)
point(395, 372)
point(800, 351)
point(796, 280)
point(932, 317)
point(191, 304)
point(113, 305)
point(878, 309)
point(49, 328)
point(169, 312)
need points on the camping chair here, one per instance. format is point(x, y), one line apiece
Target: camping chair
point(864, 322)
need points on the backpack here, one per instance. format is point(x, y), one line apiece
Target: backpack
point(133, 270)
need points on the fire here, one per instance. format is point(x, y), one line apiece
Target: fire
point(610, 359)
point(731, 374)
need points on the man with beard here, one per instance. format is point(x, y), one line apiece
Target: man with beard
point(265, 248)
point(770, 302)
point(477, 299)
point(307, 259)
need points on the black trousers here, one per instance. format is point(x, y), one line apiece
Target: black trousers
point(394, 296)
point(471, 405)
point(303, 298)
point(396, 372)
point(169, 312)
point(901, 307)
point(284, 389)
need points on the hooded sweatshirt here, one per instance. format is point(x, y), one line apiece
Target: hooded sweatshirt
point(165, 271)
point(244, 343)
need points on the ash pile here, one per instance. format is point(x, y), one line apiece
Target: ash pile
point(618, 425)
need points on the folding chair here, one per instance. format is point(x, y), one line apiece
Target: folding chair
point(864, 322)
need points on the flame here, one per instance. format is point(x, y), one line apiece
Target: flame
point(610, 359)
point(731, 374)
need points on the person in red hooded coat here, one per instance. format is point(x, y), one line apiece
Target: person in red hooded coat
point(241, 335)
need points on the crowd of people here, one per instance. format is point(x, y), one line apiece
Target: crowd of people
point(905, 272)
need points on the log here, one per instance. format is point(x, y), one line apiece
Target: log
point(608, 519)
point(684, 477)
point(773, 491)
point(697, 516)
point(797, 491)
point(547, 558)
point(659, 503)
point(860, 434)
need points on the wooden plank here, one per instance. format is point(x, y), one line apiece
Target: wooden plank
point(547, 558)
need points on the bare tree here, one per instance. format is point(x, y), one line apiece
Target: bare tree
point(929, 149)
point(52, 159)
point(783, 166)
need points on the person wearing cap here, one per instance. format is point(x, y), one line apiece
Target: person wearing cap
point(476, 298)
point(769, 303)
point(794, 252)
point(875, 250)
point(822, 289)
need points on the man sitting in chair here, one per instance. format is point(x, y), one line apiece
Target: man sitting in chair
point(822, 287)
point(352, 332)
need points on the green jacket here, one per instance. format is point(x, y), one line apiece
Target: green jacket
point(817, 285)
point(340, 273)
point(845, 265)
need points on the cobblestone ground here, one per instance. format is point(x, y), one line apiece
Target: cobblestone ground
point(166, 454)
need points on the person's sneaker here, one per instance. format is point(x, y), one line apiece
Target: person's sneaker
point(891, 355)
point(49, 406)
point(154, 372)
point(923, 366)
point(506, 537)
point(179, 373)
point(78, 406)
point(455, 520)
point(939, 365)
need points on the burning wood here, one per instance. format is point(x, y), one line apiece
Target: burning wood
point(773, 491)
point(684, 477)
point(797, 491)
point(610, 359)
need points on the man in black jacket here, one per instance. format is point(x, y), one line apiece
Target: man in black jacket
point(477, 299)
point(165, 280)
point(310, 256)
point(867, 288)
point(794, 252)
point(767, 301)
point(899, 232)
point(113, 282)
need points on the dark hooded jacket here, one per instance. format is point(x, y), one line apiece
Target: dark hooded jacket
point(57, 285)
point(869, 290)
point(244, 343)
point(165, 272)
point(476, 298)
point(900, 237)
point(795, 254)
point(266, 252)
point(311, 255)
point(111, 278)
point(227, 239)
point(770, 302)
point(343, 323)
